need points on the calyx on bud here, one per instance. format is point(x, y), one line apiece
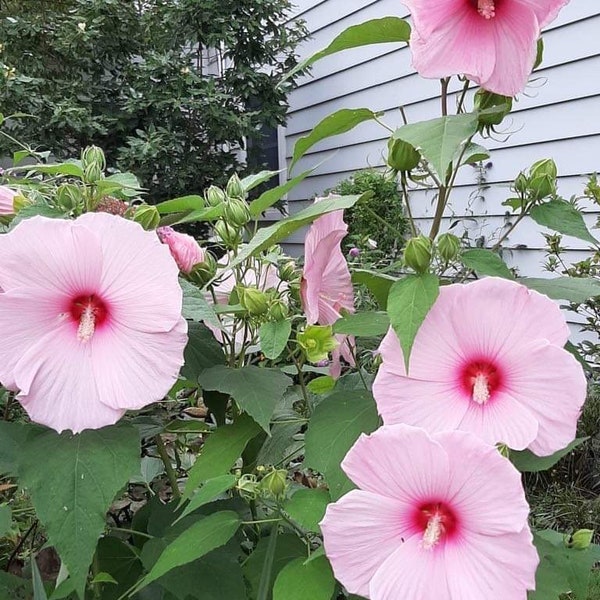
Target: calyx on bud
point(147, 216)
point(417, 254)
point(253, 300)
point(317, 341)
point(448, 246)
point(234, 187)
point(402, 156)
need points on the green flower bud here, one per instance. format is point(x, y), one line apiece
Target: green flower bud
point(234, 187)
point(275, 483)
point(253, 300)
point(317, 341)
point(92, 173)
point(204, 271)
point(228, 233)
point(214, 196)
point(542, 186)
point(580, 540)
point(448, 246)
point(92, 155)
point(20, 201)
point(545, 166)
point(521, 183)
point(69, 196)
point(147, 216)
point(492, 108)
point(288, 272)
point(247, 486)
point(278, 311)
point(504, 450)
point(402, 156)
point(236, 212)
point(417, 254)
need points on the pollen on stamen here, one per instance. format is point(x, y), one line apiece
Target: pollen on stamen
point(481, 389)
point(486, 9)
point(87, 324)
point(433, 532)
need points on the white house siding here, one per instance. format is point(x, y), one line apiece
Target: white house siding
point(558, 117)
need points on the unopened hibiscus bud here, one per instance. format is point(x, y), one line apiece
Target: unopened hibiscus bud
point(542, 186)
point(92, 173)
point(417, 254)
point(317, 341)
point(287, 271)
point(184, 248)
point(228, 233)
point(521, 183)
point(275, 483)
point(580, 540)
point(214, 196)
point(147, 216)
point(204, 271)
point(492, 108)
point(92, 155)
point(253, 300)
point(19, 202)
point(278, 310)
point(448, 246)
point(354, 252)
point(69, 196)
point(236, 212)
point(234, 187)
point(542, 167)
point(402, 156)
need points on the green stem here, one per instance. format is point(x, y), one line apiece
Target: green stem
point(133, 532)
point(509, 231)
point(439, 212)
point(164, 456)
point(444, 95)
point(383, 221)
point(411, 219)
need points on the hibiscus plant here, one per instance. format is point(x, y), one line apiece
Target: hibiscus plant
point(191, 418)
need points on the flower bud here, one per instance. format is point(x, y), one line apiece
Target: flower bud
point(580, 540)
point(69, 196)
point(183, 247)
point(317, 341)
point(448, 246)
point(204, 271)
point(253, 300)
point(491, 108)
point(147, 216)
point(542, 187)
point(19, 202)
point(234, 187)
point(402, 156)
point(278, 311)
point(275, 483)
point(247, 486)
point(521, 183)
point(287, 271)
point(214, 196)
point(417, 254)
point(92, 155)
point(236, 212)
point(354, 252)
point(228, 233)
point(545, 166)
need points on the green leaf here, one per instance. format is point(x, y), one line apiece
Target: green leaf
point(220, 451)
point(270, 197)
point(307, 507)
point(122, 563)
point(375, 31)
point(269, 236)
point(573, 289)
point(254, 180)
point(39, 592)
point(274, 336)
point(38, 210)
point(378, 284)
point(5, 519)
point(439, 139)
point(563, 217)
point(197, 540)
point(256, 390)
point(12, 439)
point(182, 204)
point(363, 324)
point(69, 168)
point(474, 153)
point(195, 306)
point(409, 301)
point(201, 352)
point(264, 585)
point(14, 588)
point(527, 462)
point(486, 262)
point(209, 213)
point(321, 385)
point(209, 491)
point(299, 581)
point(336, 123)
point(334, 426)
point(87, 470)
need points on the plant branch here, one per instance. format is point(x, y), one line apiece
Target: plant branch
point(164, 456)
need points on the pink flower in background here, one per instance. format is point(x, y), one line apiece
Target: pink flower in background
point(90, 319)
point(492, 42)
point(184, 248)
point(326, 286)
point(7, 197)
point(435, 518)
point(488, 359)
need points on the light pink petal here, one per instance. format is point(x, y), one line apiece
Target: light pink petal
point(7, 197)
point(545, 10)
point(58, 386)
point(51, 254)
point(549, 383)
point(429, 17)
point(400, 462)
point(360, 531)
point(135, 368)
point(485, 489)
point(135, 259)
point(413, 572)
point(502, 420)
point(492, 567)
point(433, 405)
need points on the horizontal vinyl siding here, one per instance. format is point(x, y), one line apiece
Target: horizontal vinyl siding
point(558, 116)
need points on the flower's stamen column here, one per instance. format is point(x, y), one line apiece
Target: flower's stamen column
point(433, 531)
point(87, 324)
point(481, 389)
point(486, 9)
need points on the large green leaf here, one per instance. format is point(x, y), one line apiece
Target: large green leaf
point(270, 197)
point(375, 31)
point(527, 462)
point(209, 491)
point(409, 301)
point(12, 440)
point(220, 451)
point(121, 562)
point(256, 179)
point(201, 352)
point(363, 324)
point(300, 580)
point(196, 307)
point(336, 123)
point(5, 519)
point(14, 588)
point(72, 480)
point(574, 289)
point(563, 217)
point(486, 262)
point(255, 389)
point(274, 336)
point(439, 139)
point(182, 204)
point(378, 284)
point(334, 426)
point(307, 507)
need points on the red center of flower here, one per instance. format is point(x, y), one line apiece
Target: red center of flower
point(88, 311)
point(486, 8)
point(437, 522)
point(480, 379)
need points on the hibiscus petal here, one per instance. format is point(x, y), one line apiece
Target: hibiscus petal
point(360, 531)
point(545, 10)
point(397, 461)
point(430, 16)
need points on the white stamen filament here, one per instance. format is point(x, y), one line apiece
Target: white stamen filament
point(87, 324)
point(486, 9)
point(481, 389)
point(433, 532)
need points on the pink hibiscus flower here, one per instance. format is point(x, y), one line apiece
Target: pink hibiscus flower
point(184, 248)
point(326, 286)
point(492, 42)
point(435, 518)
point(7, 197)
point(90, 319)
point(488, 359)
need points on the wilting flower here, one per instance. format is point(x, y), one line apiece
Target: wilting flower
point(90, 319)
point(492, 42)
point(435, 518)
point(488, 359)
point(184, 248)
point(326, 286)
point(7, 197)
